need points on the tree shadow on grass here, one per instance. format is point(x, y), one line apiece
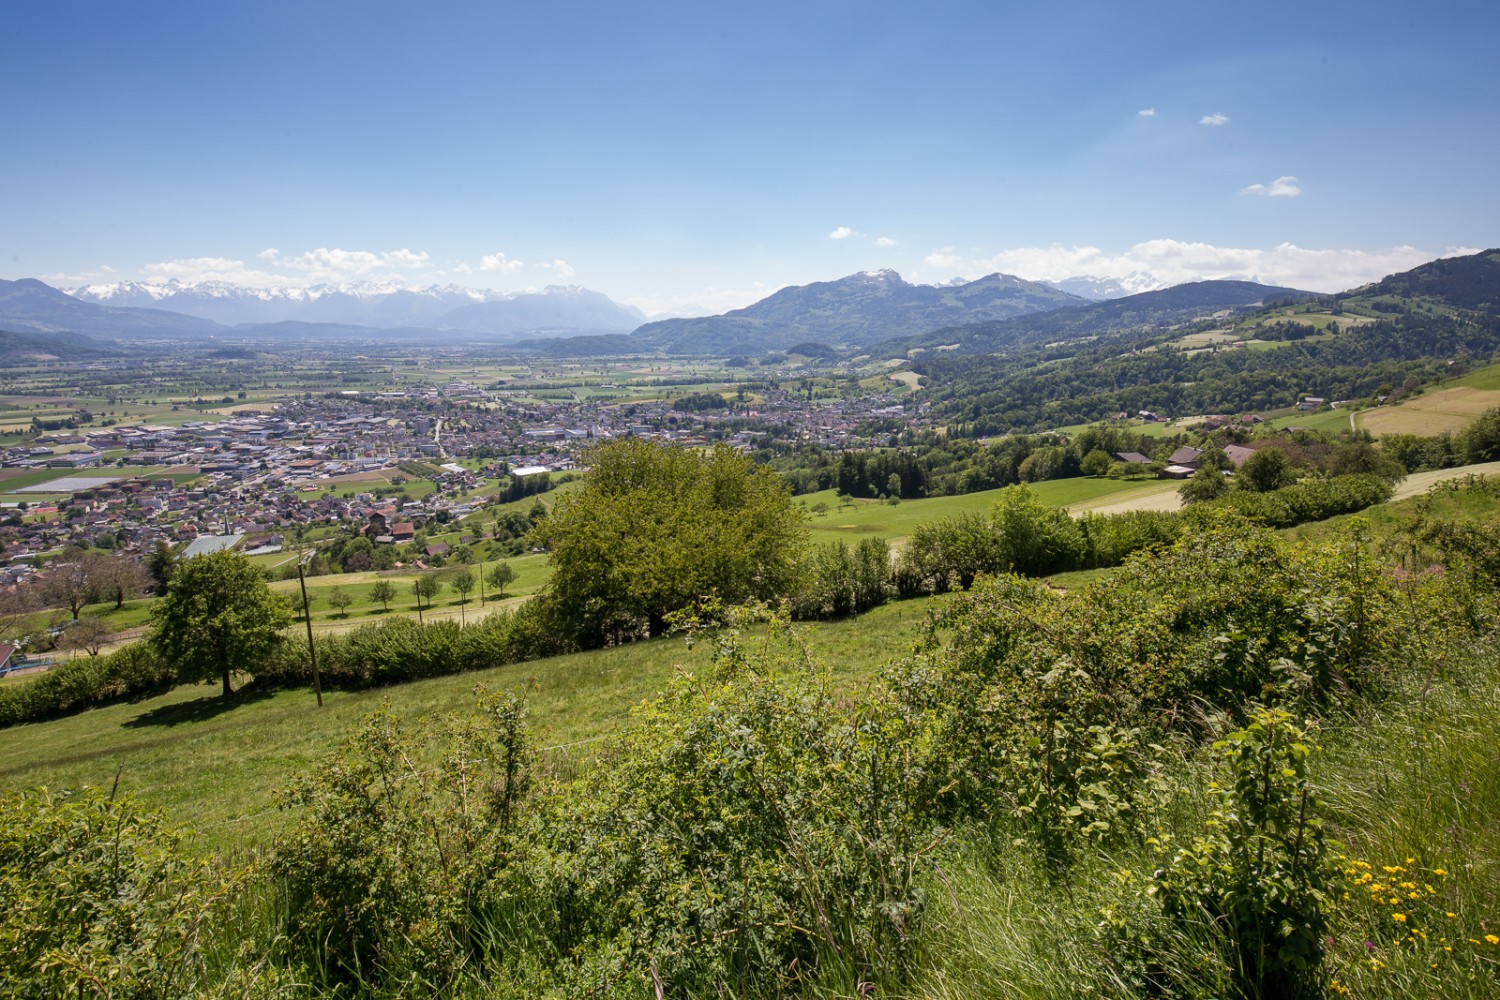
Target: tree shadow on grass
point(198, 710)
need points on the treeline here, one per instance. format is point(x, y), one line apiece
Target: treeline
point(934, 465)
point(757, 833)
point(1023, 536)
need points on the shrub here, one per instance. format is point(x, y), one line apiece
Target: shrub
point(99, 899)
point(1256, 881)
point(384, 874)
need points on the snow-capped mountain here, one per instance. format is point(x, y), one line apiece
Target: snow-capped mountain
point(382, 305)
point(1099, 289)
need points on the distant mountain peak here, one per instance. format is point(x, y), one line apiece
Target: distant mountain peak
point(858, 309)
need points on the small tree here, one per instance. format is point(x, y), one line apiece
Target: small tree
point(217, 618)
point(501, 577)
point(340, 599)
point(426, 587)
point(69, 582)
point(1095, 463)
point(463, 583)
point(1266, 470)
point(120, 578)
point(88, 633)
point(383, 592)
point(161, 564)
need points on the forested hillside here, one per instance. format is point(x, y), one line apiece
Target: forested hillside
point(1385, 339)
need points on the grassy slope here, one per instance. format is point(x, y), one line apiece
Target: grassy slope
point(215, 770)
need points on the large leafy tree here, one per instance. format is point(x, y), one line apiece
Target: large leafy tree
point(655, 527)
point(217, 618)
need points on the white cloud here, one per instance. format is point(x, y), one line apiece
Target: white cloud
point(499, 262)
point(319, 266)
point(405, 258)
point(841, 233)
point(1217, 118)
point(1147, 113)
point(464, 268)
point(945, 259)
point(561, 267)
point(325, 265)
point(194, 270)
point(1164, 262)
point(1281, 187)
point(884, 241)
point(62, 279)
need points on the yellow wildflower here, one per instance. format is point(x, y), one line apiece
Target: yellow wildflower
point(1400, 918)
point(1438, 871)
point(1492, 939)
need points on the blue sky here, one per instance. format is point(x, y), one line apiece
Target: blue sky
point(697, 156)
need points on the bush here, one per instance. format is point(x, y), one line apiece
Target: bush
point(384, 874)
point(836, 581)
point(1256, 882)
point(99, 899)
point(1312, 500)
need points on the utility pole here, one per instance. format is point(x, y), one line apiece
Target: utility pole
point(312, 650)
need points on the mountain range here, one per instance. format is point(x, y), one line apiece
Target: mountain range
point(870, 310)
point(856, 311)
point(379, 306)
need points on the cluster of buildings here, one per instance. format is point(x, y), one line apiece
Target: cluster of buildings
point(336, 459)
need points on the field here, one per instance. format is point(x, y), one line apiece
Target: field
point(216, 768)
point(1329, 420)
point(876, 518)
point(1441, 411)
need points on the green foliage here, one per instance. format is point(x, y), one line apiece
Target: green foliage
point(749, 837)
point(217, 618)
point(99, 900)
point(338, 599)
point(1309, 500)
point(425, 588)
point(1257, 879)
point(1265, 471)
point(1021, 535)
point(1208, 483)
point(387, 872)
point(1096, 463)
point(654, 528)
point(462, 581)
point(837, 582)
point(1481, 439)
point(136, 671)
point(1112, 537)
point(1036, 538)
point(383, 591)
point(501, 577)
